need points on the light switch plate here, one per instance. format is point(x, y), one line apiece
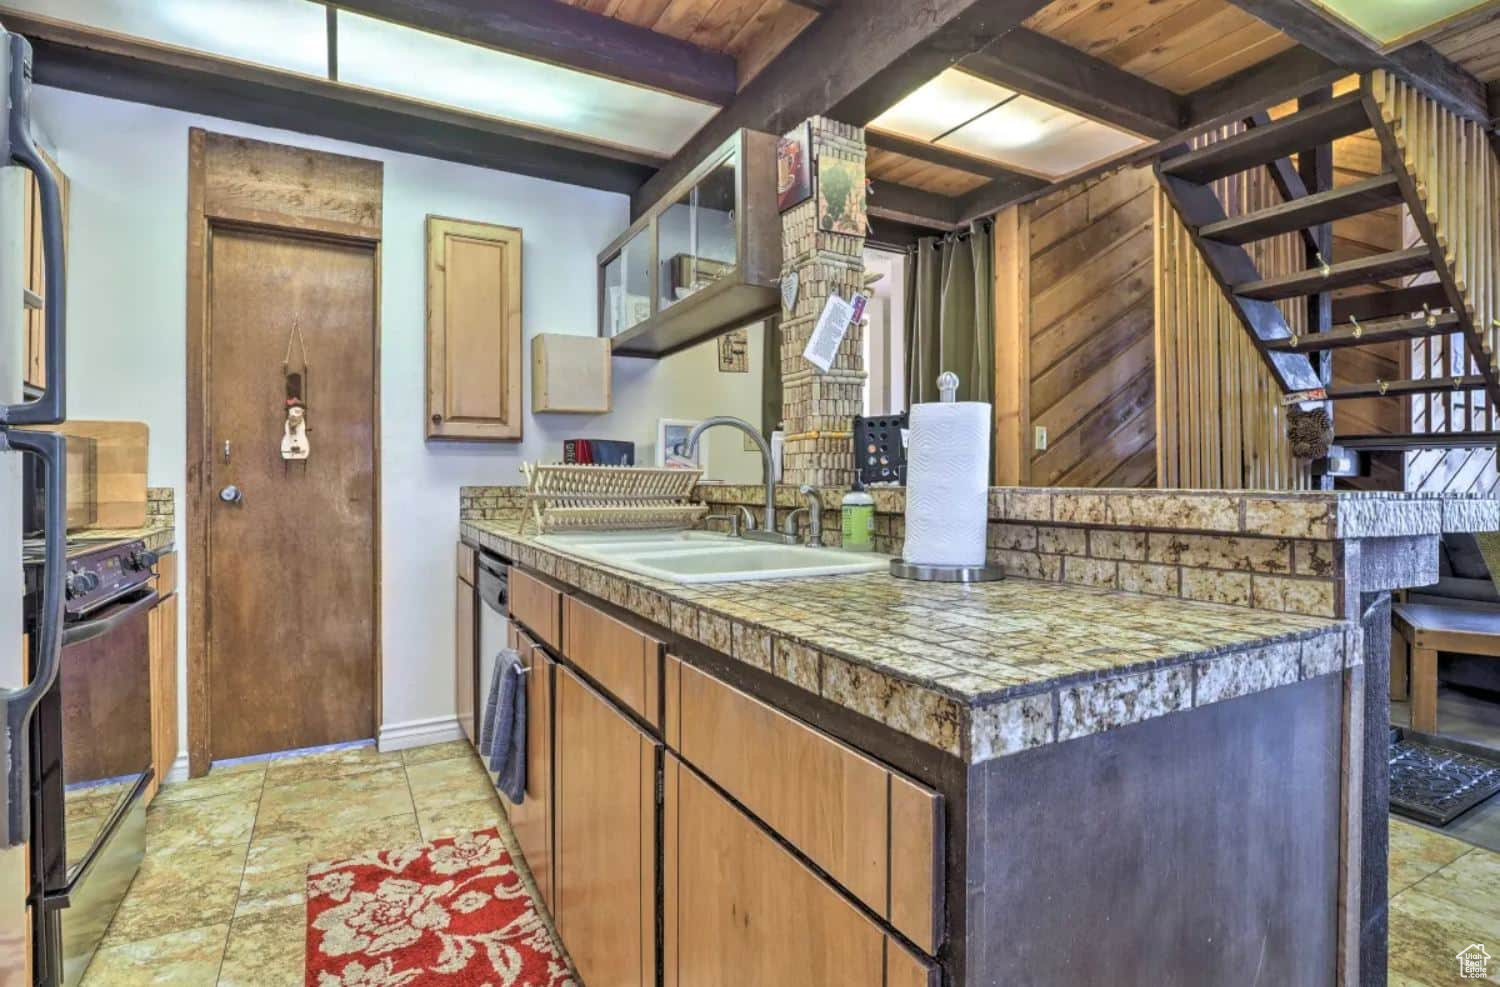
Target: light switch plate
point(1041, 438)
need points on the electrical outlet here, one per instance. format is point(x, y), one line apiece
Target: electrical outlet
point(1041, 438)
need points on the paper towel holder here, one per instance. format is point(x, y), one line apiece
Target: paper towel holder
point(988, 573)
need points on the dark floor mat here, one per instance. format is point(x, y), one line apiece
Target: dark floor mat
point(1434, 783)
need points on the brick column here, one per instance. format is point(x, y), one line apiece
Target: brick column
point(817, 408)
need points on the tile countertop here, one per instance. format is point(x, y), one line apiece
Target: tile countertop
point(157, 536)
point(977, 671)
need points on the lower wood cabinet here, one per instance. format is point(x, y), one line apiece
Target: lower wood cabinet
point(162, 628)
point(738, 908)
point(532, 819)
point(465, 650)
point(606, 814)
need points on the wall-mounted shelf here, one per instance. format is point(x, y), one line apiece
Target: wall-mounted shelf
point(704, 260)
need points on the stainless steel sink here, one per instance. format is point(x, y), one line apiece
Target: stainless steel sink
point(705, 557)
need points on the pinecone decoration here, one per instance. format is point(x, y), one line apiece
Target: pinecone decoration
point(1310, 432)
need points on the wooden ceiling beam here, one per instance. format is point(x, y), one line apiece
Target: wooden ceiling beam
point(84, 60)
point(571, 37)
point(912, 206)
point(1057, 73)
point(1293, 73)
point(998, 194)
point(853, 63)
point(1419, 64)
point(936, 154)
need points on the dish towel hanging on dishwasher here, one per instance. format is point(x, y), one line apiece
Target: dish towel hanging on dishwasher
point(502, 737)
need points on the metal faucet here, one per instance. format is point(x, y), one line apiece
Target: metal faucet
point(768, 532)
point(814, 512)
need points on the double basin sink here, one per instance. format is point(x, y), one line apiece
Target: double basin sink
point(706, 557)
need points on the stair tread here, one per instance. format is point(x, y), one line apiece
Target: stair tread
point(1398, 388)
point(1312, 210)
point(1395, 302)
point(1398, 441)
point(1326, 122)
point(1385, 330)
point(1365, 270)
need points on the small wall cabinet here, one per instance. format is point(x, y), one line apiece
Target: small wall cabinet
point(702, 261)
point(570, 374)
point(473, 330)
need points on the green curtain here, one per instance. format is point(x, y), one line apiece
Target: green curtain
point(950, 315)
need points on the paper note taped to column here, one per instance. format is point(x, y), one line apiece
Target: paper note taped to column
point(838, 315)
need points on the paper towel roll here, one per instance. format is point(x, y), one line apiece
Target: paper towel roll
point(947, 483)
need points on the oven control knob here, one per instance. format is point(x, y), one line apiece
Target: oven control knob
point(88, 581)
point(70, 585)
point(140, 560)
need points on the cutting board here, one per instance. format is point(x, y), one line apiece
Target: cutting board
point(120, 459)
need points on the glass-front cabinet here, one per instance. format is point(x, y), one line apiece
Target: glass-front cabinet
point(700, 262)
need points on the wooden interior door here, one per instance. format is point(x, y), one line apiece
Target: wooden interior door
point(605, 895)
point(291, 565)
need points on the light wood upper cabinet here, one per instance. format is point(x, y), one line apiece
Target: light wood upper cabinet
point(474, 356)
point(605, 892)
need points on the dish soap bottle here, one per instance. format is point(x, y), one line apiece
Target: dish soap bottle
point(858, 517)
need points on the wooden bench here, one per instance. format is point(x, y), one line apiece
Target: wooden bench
point(1426, 629)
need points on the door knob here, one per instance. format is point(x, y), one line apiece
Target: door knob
point(231, 494)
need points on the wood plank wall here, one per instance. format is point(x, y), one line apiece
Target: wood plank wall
point(1221, 424)
point(1073, 286)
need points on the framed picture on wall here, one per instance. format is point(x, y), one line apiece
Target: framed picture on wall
point(671, 444)
point(794, 168)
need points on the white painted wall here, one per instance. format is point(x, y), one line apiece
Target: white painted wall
point(127, 352)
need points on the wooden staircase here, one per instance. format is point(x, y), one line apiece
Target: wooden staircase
point(1440, 295)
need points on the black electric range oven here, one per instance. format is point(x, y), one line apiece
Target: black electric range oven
point(91, 753)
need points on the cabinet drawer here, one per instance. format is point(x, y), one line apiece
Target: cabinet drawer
point(538, 605)
point(620, 658)
point(465, 563)
point(738, 908)
point(874, 831)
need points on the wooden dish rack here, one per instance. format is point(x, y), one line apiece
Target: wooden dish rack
point(576, 498)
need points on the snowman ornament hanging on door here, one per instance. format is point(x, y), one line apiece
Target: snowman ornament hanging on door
point(294, 446)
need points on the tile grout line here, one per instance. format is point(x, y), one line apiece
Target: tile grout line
point(240, 885)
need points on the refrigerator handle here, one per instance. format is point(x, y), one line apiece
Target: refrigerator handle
point(51, 407)
point(20, 703)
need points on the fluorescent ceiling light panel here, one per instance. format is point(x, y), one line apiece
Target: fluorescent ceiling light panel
point(1390, 21)
point(379, 55)
point(291, 35)
point(947, 101)
point(1032, 136)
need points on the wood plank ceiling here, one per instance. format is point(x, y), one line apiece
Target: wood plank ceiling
point(753, 31)
point(1474, 47)
point(1180, 44)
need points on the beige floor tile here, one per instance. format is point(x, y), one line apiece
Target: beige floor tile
point(225, 820)
point(1427, 934)
point(321, 802)
point(1418, 852)
point(295, 768)
point(189, 958)
point(457, 779)
point(460, 817)
point(242, 779)
point(276, 867)
point(177, 889)
point(1472, 881)
point(438, 752)
point(266, 949)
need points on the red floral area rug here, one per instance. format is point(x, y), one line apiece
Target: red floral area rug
point(450, 913)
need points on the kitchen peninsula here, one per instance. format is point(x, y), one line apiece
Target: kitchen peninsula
point(1153, 736)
